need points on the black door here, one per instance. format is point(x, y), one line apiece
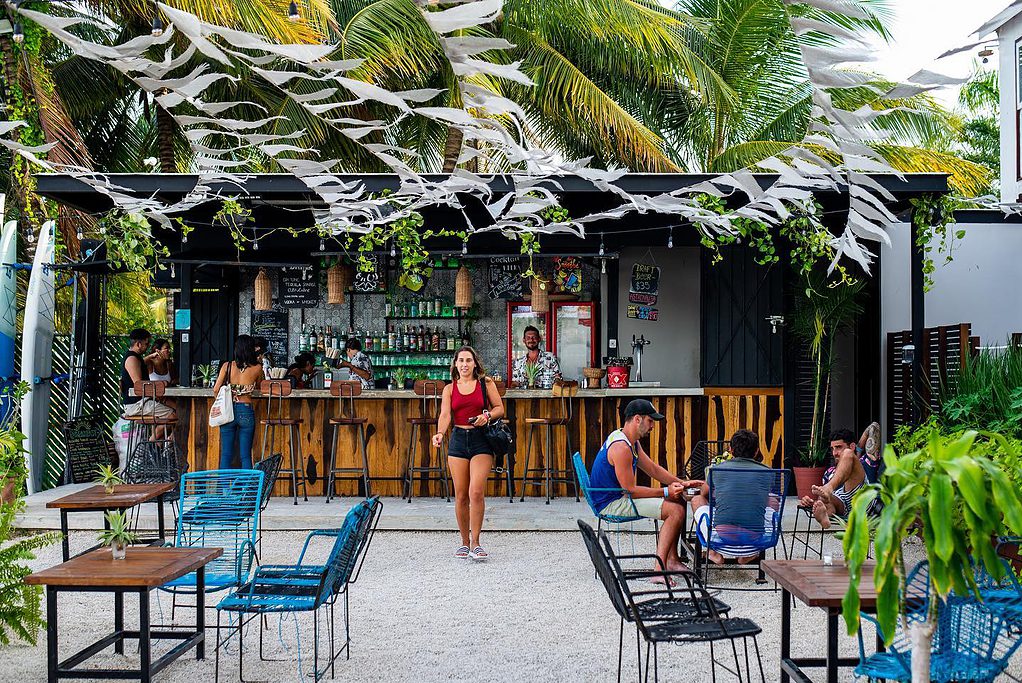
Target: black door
point(739, 345)
point(214, 318)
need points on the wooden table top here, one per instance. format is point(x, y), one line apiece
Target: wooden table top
point(817, 585)
point(124, 496)
point(144, 567)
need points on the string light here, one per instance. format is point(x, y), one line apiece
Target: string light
point(157, 29)
point(255, 245)
point(19, 34)
point(292, 11)
point(31, 235)
point(173, 273)
point(393, 250)
point(670, 239)
point(601, 246)
point(79, 234)
point(464, 247)
point(322, 242)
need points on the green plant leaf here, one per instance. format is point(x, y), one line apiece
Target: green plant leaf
point(940, 504)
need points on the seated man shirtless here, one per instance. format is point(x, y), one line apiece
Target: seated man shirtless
point(840, 483)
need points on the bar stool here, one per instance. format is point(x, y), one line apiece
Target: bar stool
point(279, 389)
point(504, 466)
point(431, 391)
point(346, 391)
point(564, 390)
point(143, 425)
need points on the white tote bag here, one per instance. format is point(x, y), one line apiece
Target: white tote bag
point(222, 410)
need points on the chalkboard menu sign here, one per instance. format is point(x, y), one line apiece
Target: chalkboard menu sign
point(299, 287)
point(273, 326)
point(505, 277)
point(643, 291)
point(86, 450)
point(372, 280)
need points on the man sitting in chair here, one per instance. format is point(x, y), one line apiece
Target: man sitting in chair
point(615, 468)
point(738, 505)
point(840, 483)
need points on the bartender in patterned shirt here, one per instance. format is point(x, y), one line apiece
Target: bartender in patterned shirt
point(549, 368)
point(358, 363)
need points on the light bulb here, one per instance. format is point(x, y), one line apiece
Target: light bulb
point(80, 235)
point(173, 273)
point(30, 236)
point(322, 244)
point(393, 250)
point(601, 246)
point(255, 245)
point(19, 35)
point(184, 238)
point(464, 247)
point(157, 29)
point(670, 239)
point(292, 12)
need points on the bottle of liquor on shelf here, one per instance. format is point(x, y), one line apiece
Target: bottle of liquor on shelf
point(378, 341)
point(390, 337)
point(434, 341)
point(464, 338)
point(413, 342)
point(422, 337)
point(451, 343)
point(388, 307)
point(303, 339)
point(312, 339)
point(347, 335)
point(413, 310)
point(442, 345)
point(438, 306)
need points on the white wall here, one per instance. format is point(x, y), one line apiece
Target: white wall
point(1008, 70)
point(673, 356)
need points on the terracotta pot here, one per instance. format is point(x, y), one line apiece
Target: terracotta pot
point(806, 478)
point(8, 492)
point(617, 376)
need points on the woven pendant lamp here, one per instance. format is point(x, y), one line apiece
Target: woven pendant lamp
point(463, 289)
point(540, 294)
point(263, 291)
point(338, 279)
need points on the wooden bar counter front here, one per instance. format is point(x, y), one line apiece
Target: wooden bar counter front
point(692, 415)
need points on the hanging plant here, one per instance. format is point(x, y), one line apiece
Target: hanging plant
point(129, 241)
point(932, 215)
point(233, 215)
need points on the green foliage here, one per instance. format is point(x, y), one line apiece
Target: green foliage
point(21, 614)
point(963, 489)
point(531, 373)
point(108, 477)
point(979, 101)
point(129, 241)
point(119, 529)
point(932, 215)
point(12, 449)
point(985, 393)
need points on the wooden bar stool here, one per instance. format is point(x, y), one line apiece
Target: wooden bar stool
point(143, 425)
point(564, 390)
point(345, 418)
point(275, 391)
point(504, 467)
point(431, 391)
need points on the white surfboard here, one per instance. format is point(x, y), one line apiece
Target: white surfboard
point(8, 311)
point(37, 356)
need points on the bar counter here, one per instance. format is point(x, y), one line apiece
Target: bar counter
point(693, 414)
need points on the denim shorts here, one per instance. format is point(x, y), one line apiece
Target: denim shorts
point(467, 443)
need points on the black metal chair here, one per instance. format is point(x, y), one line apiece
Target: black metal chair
point(270, 467)
point(705, 623)
point(704, 454)
point(549, 473)
point(664, 607)
point(156, 462)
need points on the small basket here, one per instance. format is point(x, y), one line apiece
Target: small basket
point(263, 291)
point(593, 374)
point(463, 289)
point(338, 279)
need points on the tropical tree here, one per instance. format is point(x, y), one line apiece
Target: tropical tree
point(979, 101)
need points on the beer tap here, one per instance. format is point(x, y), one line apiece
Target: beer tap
point(637, 347)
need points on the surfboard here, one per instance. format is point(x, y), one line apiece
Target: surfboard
point(8, 311)
point(37, 356)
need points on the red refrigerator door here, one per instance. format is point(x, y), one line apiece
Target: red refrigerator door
point(574, 336)
point(519, 316)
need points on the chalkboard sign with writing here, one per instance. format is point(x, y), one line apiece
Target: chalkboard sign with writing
point(273, 326)
point(86, 450)
point(645, 279)
point(372, 280)
point(505, 277)
point(299, 288)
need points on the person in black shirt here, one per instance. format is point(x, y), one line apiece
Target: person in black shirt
point(133, 370)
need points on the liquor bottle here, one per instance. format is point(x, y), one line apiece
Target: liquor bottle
point(414, 310)
point(438, 306)
point(387, 307)
point(390, 337)
point(434, 342)
point(377, 341)
point(450, 341)
point(421, 338)
point(413, 340)
point(328, 375)
point(328, 343)
point(442, 346)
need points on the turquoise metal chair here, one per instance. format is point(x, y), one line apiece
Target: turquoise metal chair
point(306, 587)
point(587, 491)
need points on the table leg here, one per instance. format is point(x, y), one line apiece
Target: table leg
point(65, 547)
point(200, 612)
point(785, 631)
point(119, 620)
point(160, 520)
point(144, 643)
point(51, 634)
point(831, 646)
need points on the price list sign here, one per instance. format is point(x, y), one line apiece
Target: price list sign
point(643, 291)
point(505, 277)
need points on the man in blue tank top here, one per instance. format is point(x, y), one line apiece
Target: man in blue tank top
point(615, 467)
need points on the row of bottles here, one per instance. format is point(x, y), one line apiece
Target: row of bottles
point(426, 308)
point(407, 338)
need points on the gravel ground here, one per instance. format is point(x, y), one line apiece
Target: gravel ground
point(532, 612)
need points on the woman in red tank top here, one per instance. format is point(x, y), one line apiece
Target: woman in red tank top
point(469, 403)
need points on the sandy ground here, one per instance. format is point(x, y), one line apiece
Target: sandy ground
point(533, 612)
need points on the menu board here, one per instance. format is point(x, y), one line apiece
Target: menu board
point(372, 280)
point(505, 277)
point(643, 291)
point(273, 326)
point(86, 450)
point(299, 287)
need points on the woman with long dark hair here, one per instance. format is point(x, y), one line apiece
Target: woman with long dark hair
point(300, 372)
point(243, 374)
point(469, 403)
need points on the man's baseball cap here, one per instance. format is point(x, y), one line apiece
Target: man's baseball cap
point(641, 406)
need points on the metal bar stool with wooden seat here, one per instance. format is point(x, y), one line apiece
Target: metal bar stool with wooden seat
point(275, 391)
point(565, 391)
point(431, 391)
point(504, 466)
point(345, 418)
point(144, 425)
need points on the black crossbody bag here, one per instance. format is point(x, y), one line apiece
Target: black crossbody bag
point(497, 432)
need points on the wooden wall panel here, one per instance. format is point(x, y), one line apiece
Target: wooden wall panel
point(690, 419)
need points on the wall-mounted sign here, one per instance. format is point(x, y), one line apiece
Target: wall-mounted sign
point(640, 312)
point(273, 325)
point(504, 275)
point(299, 287)
point(644, 286)
point(372, 280)
point(568, 274)
point(183, 319)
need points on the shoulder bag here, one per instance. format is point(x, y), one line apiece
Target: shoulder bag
point(222, 410)
point(497, 432)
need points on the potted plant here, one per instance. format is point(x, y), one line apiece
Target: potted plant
point(118, 534)
point(12, 452)
point(531, 374)
point(206, 373)
point(398, 381)
point(108, 477)
point(822, 311)
point(618, 370)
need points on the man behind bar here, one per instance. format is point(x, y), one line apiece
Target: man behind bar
point(546, 361)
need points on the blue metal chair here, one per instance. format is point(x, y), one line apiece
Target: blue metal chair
point(218, 509)
point(972, 641)
point(755, 495)
point(305, 587)
point(587, 491)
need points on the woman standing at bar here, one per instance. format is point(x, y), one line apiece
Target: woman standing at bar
point(470, 457)
point(300, 372)
point(243, 374)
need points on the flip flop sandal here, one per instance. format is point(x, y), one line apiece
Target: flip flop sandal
point(478, 553)
point(462, 553)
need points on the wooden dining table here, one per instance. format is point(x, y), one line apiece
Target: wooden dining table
point(815, 584)
point(96, 499)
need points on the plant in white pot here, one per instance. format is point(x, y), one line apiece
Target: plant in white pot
point(118, 534)
point(108, 477)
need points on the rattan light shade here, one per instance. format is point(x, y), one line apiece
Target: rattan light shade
point(338, 279)
point(540, 294)
point(263, 291)
point(463, 289)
